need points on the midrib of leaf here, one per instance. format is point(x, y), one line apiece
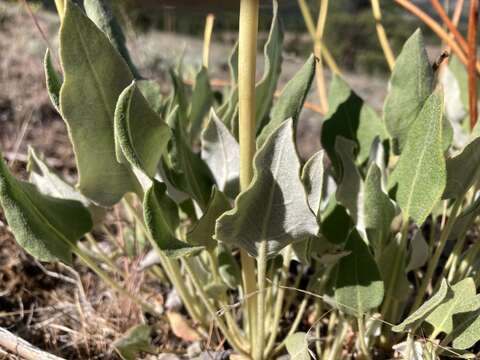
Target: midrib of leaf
point(95, 75)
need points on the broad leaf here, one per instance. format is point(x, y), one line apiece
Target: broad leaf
point(420, 174)
point(228, 267)
point(203, 231)
point(152, 92)
point(202, 99)
point(273, 210)
point(95, 75)
point(350, 118)
point(358, 284)
point(442, 317)
point(443, 294)
point(161, 219)
point(101, 14)
point(134, 341)
point(267, 85)
point(465, 219)
point(221, 152)
point(140, 134)
point(411, 84)
point(466, 324)
point(53, 81)
point(291, 100)
point(297, 346)
point(46, 227)
point(463, 171)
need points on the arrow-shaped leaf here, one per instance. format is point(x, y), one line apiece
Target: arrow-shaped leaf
point(274, 208)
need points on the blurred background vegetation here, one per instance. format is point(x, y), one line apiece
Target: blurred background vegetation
point(350, 33)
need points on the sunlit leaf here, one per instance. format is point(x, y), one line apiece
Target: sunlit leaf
point(442, 295)
point(420, 175)
point(297, 346)
point(221, 152)
point(53, 81)
point(411, 84)
point(273, 210)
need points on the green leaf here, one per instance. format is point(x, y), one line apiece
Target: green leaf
point(420, 174)
point(265, 88)
point(202, 100)
point(463, 171)
point(221, 152)
point(193, 175)
point(53, 81)
point(161, 219)
point(46, 227)
point(350, 118)
point(134, 341)
point(443, 294)
point(350, 191)
point(312, 178)
point(379, 209)
point(297, 346)
point(465, 219)
point(50, 183)
point(336, 223)
point(411, 84)
point(95, 75)
point(274, 208)
point(228, 267)
point(466, 324)
point(203, 231)
point(152, 92)
point(100, 12)
point(291, 100)
point(442, 317)
point(140, 133)
point(358, 284)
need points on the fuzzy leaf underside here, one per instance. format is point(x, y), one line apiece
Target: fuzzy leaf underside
point(274, 208)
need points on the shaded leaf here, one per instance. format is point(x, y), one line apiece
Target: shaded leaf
point(152, 92)
point(265, 88)
point(297, 346)
point(312, 178)
point(134, 341)
point(466, 324)
point(350, 118)
point(420, 174)
point(203, 231)
point(201, 101)
point(443, 294)
point(221, 152)
point(463, 171)
point(161, 219)
point(140, 134)
point(94, 76)
point(465, 219)
point(228, 267)
point(46, 227)
point(281, 214)
point(410, 85)
point(53, 81)
point(290, 102)
point(358, 284)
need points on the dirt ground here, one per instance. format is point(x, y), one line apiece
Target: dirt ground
point(64, 310)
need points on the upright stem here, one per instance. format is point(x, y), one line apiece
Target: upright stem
point(60, 4)
point(261, 278)
point(382, 36)
point(472, 62)
point(247, 51)
point(207, 38)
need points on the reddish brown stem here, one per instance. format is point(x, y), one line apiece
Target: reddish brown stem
point(451, 27)
point(472, 61)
